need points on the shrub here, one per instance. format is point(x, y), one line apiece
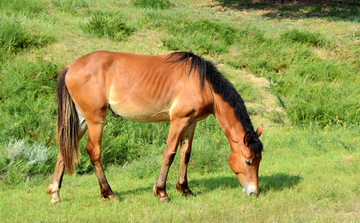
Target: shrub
point(325, 103)
point(20, 160)
point(201, 36)
point(14, 37)
point(109, 25)
point(72, 5)
point(27, 94)
point(305, 37)
point(22, 6)
point(154, 4)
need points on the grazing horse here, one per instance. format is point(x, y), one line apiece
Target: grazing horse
point(181, 87)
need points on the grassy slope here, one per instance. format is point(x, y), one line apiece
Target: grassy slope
point(308, 173)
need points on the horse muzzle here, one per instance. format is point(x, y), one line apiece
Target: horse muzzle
point(249, 188)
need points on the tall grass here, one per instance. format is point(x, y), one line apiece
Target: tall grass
point(305, 37)
point(28, 8)
point(14, 37)
point(200, 36)
point(72, 5)
point(153, 4)
point(109, 25)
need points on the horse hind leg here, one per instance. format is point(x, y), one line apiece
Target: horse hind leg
point(54, 188)
point(93, 148)
point(185, 151)
point(82, 123)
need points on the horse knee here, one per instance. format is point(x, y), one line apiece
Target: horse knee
point(93, 151)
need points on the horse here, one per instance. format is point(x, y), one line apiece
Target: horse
point(179, 87)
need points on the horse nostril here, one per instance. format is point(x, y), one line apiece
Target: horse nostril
point(251, 194)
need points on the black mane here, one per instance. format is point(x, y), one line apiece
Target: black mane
point(207, 70)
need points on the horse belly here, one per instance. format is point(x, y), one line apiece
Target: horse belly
point(139, 112)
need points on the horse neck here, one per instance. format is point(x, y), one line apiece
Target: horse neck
point(226, 118)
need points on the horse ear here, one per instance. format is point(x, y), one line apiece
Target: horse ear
point(259, 130)
point(247, 138)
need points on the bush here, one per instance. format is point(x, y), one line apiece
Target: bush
point(305, 37)
point(325, 103)
point(109, 25)
point(14, 37)
point(154, 4)
point(72, 5)
point(201, 37)
point(22, 6)
point(28, 108)
point(20, 160)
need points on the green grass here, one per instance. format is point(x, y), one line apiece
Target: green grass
point(299, 77)
point(291, 187)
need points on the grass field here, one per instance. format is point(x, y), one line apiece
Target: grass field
point(295, 65)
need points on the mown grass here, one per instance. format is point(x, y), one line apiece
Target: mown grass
point(310, 165)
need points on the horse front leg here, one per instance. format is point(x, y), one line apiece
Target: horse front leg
point(175, 133)
point(54, 188)
point(185, 151)
point(93, 148)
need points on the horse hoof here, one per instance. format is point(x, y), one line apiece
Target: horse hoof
point(55, 201)
point(114, 197)
point(189, 194)
point(111, 197)
point(164, 199)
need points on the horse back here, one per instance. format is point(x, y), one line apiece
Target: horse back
point(144, 88)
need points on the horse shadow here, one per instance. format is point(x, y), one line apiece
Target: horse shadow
point(275, 182)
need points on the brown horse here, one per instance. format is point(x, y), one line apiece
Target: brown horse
point(180, 87)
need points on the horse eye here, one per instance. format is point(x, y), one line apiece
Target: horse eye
point(248, 162)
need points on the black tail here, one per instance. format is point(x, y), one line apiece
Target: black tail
point(67, 124)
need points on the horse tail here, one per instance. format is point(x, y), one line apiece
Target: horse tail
point(67, 124)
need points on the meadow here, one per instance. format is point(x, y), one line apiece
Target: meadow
point(295, 65)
